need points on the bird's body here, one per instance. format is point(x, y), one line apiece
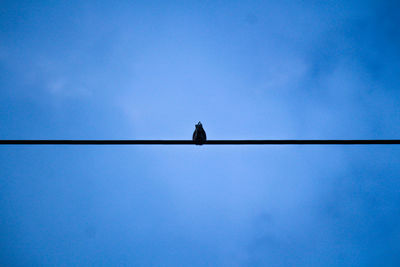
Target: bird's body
point(199, 135)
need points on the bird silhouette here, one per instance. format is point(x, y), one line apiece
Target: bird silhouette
point(199, 135)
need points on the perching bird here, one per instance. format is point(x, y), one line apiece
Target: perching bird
point(199, 135)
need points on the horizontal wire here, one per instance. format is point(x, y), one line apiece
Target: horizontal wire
point(208, 142)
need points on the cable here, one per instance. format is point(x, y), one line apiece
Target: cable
point(209, 142)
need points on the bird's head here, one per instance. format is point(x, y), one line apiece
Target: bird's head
point(199, 125)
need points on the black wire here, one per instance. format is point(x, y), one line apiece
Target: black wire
point(209, 142)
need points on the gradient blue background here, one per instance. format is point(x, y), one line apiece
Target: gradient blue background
point(247, 70)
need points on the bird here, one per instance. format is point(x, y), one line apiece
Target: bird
point(199, 135)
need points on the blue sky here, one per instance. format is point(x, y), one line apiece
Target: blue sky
point(247, 70)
